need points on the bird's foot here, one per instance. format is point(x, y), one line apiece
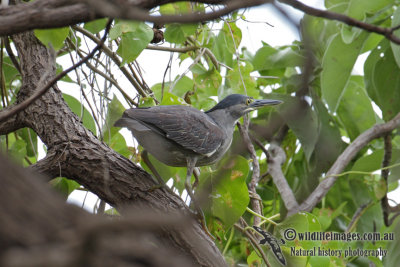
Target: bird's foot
point(199, 215)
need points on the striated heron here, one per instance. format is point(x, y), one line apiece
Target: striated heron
point(183, 136)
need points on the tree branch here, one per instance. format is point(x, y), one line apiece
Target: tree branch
point(172, 49)
point(277, 157)
point(255, 199)
point(384, 174)
point(65, 235)
point(45, 14)
point(387, 32)
point(347, 155)
point(42, 14)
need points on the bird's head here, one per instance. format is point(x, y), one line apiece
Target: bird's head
point(238, 105)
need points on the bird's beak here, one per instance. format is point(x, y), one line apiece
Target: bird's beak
point(256, 104)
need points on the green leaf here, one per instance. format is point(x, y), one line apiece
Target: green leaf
point(134, 41)
point(167, 172)
point(81, 111)
point(230, 195)
point(17, 151)
point(358, 8)
point(114, 112)
point(355, 110)
point(382, 80)
point(121, 27)
point(302, 222)
point(167, 9)
point(177, 33)
point(118, 144)
point(66, 78)
point(372, 41)
point(64, 186)
point(319, 32)
point(237, 78)
point(304, 123)
point(184, 85)
point(337, 64)
point(361, 192)
point(396, 47)
point(30, 138)
point(226, 43)
point(327, 215)
point(253, 259)
point(328, 146)
point(95, 26)
point(112, 212)
point(176, 8)
point(174, 33)
point(189, 29)
point(332, 3)
point(207, 83)
point(268, 58)
point(54, 36)
point(10, 72)
point(393, 253)
point(171, 99)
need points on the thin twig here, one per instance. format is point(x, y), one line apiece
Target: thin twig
point(104, 75)
point(172, 49)
point(384, 174)
point(276, 158)
point(255, 177)
point(115, 58)
point(10, 54)
point(38, 93)
point(253, 240)
point(357, 215)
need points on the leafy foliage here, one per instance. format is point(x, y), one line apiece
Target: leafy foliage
point(323, 111)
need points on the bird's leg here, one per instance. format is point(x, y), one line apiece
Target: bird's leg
point(191, 162)
point(196, 173)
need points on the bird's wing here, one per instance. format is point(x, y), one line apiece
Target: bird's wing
point(187, 126)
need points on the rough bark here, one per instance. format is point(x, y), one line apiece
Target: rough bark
point(45, 14)
point(37, 228)
point(74, 152)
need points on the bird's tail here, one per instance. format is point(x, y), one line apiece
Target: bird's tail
point(122, 122)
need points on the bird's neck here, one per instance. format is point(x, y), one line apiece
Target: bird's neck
point(224, 120)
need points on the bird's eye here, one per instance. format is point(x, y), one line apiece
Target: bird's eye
point(248, 101)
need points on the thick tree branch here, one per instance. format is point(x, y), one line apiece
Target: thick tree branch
point(42, 14)
point(276, 157)
point(347, 155)
point(64, 235)
point(45, 14)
